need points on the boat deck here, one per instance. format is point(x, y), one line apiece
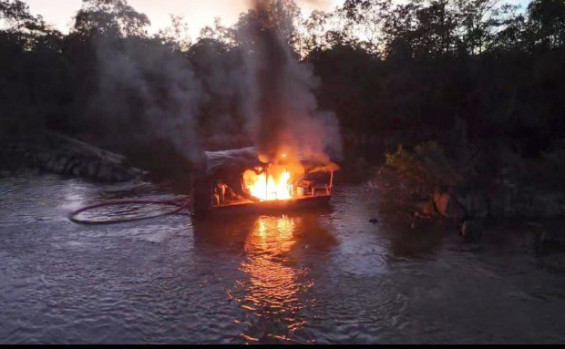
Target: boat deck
point(278, 206)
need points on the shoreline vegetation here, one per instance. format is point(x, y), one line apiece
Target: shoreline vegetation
point(460, 101)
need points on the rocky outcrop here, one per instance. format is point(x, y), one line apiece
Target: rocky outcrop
point(503, 201)
point(54, 153)
point(472, 230)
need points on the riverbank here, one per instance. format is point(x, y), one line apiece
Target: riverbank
point(479, 192)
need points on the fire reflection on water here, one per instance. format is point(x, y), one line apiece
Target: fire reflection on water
point(272, 283)
point(274, 289)
point(275, 282)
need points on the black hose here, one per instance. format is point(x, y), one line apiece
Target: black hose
point(180, 205)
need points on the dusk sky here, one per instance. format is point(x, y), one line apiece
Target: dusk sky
point(197, 13)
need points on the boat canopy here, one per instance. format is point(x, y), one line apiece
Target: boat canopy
point(237, 160)
point(231, 160)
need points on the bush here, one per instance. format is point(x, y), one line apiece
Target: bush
point(427, 164)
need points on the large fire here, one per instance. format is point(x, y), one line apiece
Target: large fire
point(276, 181)
point(275, 184)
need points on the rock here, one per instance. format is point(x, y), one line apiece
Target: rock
point(428, 209)
point(446, 205)
point(92, 169)
point(421, 224)
point(66, 156)
point(104, 172)
point(505, 235)
point(40, 159)
point(70, 163)
point(441, 201)
point(80, 159)
point(83, 169)
point(56, 163)
point(422, 216)
point(471, 230)
point(474, 203)
point(76, 169)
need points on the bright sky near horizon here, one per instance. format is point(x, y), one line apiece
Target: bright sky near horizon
point(198, 13)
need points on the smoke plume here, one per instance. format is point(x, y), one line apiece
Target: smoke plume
point(285, 116)
point(145, 93)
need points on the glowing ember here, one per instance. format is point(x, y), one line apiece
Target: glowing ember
point(274, 185)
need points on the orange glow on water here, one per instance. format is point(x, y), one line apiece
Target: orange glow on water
point(273, 284)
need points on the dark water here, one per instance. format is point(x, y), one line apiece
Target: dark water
point(315, 277)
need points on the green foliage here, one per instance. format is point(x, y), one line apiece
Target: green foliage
point(547, 19)
point(427, 163)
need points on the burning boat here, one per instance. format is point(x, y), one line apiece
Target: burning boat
point(237, 181)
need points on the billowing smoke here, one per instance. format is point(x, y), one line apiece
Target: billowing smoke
point(284, 117)
point(146, 93)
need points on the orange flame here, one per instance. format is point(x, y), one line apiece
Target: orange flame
point(277, 181)
point(269, 186)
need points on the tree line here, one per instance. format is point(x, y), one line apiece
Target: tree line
point(457, 72)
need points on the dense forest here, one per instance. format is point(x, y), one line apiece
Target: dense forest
point(449, 77)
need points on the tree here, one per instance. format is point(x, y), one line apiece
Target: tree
point(16, 13)
point(218, 33)
point(366, 21)
point(399, 24)
point(547, 18)
point(176, 35)
point(477, 18)
point(435, 32)
point(113, 17)
point(511, 29)
point(315, 29)
point(283, 18)
point(22, 25)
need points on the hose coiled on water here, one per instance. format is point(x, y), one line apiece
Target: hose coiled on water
point(179, 204)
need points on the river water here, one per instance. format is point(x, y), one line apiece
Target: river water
point(325, 276)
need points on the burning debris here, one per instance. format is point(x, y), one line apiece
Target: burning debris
point(238, 179)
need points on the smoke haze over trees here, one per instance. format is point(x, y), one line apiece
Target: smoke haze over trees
point(457, 72)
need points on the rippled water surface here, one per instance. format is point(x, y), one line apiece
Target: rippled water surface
point(325, 276)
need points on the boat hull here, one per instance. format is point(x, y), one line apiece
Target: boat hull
point(278, 206)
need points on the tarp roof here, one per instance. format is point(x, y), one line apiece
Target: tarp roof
point(243, 158)
point(247, 158)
